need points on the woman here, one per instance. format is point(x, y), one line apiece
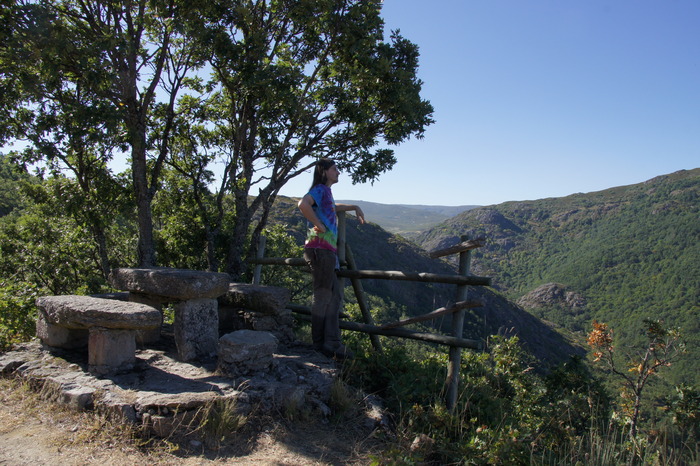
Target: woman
point(321, 253)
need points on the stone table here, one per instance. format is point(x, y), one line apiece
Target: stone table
point(107, 327)
point(193, 294)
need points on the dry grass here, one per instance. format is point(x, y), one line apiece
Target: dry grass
point(35, 430)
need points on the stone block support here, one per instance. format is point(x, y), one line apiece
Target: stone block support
point(111, 350)
point(145, 337)
point(196, 328)
point(60, 337)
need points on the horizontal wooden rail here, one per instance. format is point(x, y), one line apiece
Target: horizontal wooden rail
point(461, 247)
point(295, 261)
point(436, 313)
point(386, 274)
point(405, 333)
point(306, 310)
point(416, 277)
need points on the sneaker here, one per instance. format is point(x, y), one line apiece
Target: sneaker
point(340, 352)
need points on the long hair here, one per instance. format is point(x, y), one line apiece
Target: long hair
point(320, 171)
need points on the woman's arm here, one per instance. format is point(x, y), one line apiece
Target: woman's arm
point(306, 206)
point(347, 207)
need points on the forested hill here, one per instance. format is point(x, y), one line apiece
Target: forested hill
point(407, 219)
point(617, 256)
point(375, 248)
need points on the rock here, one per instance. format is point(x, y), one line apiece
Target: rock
point(246, 352)
point(60, 337)
point(108, 328)
point(552, 294)
point(422, 442)
point(177, 284)
point(281, 326)
point(269, 300)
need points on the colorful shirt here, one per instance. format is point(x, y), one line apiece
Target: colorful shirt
point(324, 208)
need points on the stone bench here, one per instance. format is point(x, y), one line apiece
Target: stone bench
point(106, 326)
point(193, 294)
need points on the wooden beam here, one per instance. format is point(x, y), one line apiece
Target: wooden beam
point(436, 313)
point(416, 277)
point(360, 295)
point(306, 310)
point(295, 261)
point(461, 247)
point(405, 333)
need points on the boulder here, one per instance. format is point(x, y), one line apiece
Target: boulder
point(257, 307)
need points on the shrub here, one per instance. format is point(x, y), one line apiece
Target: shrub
point(17, 313)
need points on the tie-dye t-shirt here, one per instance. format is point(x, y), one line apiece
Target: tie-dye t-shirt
point(324, 208)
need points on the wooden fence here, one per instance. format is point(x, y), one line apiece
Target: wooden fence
point(463, 279)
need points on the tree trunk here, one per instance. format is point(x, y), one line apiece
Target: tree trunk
point(235, 262)
point(101, 240)
point(146, 249)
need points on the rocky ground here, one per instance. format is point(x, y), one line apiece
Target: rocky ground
point(39, 423)
point(33, 431)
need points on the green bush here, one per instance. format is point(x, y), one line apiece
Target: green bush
point(17, 313)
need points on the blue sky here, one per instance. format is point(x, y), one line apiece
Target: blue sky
point(543, 98)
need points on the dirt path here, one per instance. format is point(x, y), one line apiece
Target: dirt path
point(33, 431)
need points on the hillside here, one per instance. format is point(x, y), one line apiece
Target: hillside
point(376, 249)
point(618, 256)
point(406, 219)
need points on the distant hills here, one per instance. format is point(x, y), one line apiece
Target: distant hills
point(407, 219)
point(618, 255)
point(375, 248)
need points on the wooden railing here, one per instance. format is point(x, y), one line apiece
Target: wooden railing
point(463, 279)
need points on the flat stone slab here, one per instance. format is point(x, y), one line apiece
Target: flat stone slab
point(178, 284)
point(268, 300)
point(84, 312)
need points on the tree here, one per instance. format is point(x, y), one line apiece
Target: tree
point(291, 81)
point(294, 81)
point(86, 76)
point(663, 345)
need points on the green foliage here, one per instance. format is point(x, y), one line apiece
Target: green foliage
point(685, 408)
point(49, 251)
point(279, 243)
point(509, 414)
point(506, 413)
point(663, 345)
point(631, 252)
point(10, 195)
point(17, 313)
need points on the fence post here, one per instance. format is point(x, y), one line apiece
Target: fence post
point(361, 302)
point(455, 361)
point(341, 255)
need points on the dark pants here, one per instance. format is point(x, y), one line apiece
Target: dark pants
point(325, 311)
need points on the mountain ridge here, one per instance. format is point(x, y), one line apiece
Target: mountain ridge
point(406, 219)
point(628, 252)
point(566, 261)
